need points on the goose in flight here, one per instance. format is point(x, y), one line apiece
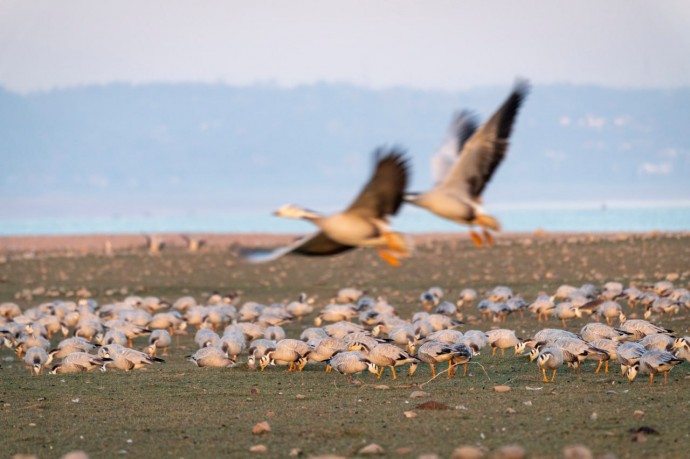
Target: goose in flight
point(464, 164)
point(363, 224)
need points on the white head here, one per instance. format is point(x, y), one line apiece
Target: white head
point(520, 347)
point(533, 354)
point(266, 360)
point(293, 211)
point(631, 372)
point(372, 368)
point(542, 357)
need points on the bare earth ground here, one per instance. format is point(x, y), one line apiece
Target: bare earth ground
point(177, 410)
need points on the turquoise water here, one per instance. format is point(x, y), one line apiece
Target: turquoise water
point(663, 218)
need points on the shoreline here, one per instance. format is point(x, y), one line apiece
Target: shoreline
point(97, 243)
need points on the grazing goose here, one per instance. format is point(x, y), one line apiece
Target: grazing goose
point(550, 358)
point(385, 355)
point(78, 362)
point(433, 353)
point(300, 308)
point(211, 357)
point(71, 345)
point(681, 347)
point(292, 352)
point(608, 345)
point(502, 339)
point(640, 328)
point(37, 358)
point(127, 359)
point(464, 165)
point(595, 330)
point(158, 339)
point(325, 348)
point(257, 349)
point(629, 354)
point(351, 362)
point(653, 362)
point(363, 224)
point(658, 341)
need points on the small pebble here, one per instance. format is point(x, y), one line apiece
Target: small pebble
point(502, 388)
point(261, 428)
point(467, 452)
point(410, 414)
point(371, 449)
point(511, 452)
point(258, 449)
point(577, 452)
point(638, 414)
point(419, 394)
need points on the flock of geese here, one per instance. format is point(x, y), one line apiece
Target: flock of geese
point(355, 333)
point(462, 167)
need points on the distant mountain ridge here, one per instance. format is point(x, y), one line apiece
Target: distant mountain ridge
point(192, 147)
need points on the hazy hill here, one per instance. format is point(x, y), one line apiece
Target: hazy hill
point(176, 148)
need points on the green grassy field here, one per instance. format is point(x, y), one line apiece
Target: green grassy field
point(178, 410)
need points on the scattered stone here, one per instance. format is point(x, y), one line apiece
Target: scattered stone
point(419, 394)
point(261, 428)
point(24, 456)
point(467, 452)
point(577, 452)
point(511, 452)
point(410, 414)
point(296, 452)
point(432, 405)
point(510, 411)
point(254, 391)
point(258, 449)
point(76, 455)
point(403, 450)
point(270, 414)
point(638, 414)
point(371, 450)
point(594, 416)
point(428, 456)
point(672, 277)
point(527, 403)
point(381, 387)
point(300, 396)
point(502, 389)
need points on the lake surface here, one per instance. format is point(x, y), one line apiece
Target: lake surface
point(601, 219)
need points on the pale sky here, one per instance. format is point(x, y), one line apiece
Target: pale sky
point(447, 45)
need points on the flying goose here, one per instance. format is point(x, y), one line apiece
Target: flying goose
point(465, 163)
point(363, 224)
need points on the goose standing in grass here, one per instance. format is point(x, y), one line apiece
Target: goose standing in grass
point(300, 308)
point(257, 349)
point(71, 345)
point(36, 359)
point(127, 359)
point(159, 339)
point(653, 362)
point(433, 353)
point(550, 358)
point(502, 339)
point(350, 363)
point(629, 354)
point(363, 224)
point(595, 330)
point(464, 165)
point(78, 362)
point(292, 352)
point(385, 355)
point(640, 328)
point(211, 357)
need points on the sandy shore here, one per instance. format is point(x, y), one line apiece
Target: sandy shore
point(99, 243)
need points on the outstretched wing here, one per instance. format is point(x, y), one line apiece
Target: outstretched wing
point(383, 194)
point(461, 128)
point(485, 150)
point(316, 244)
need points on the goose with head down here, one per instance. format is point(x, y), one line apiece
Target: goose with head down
point(466, 162)
point(363, 224)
